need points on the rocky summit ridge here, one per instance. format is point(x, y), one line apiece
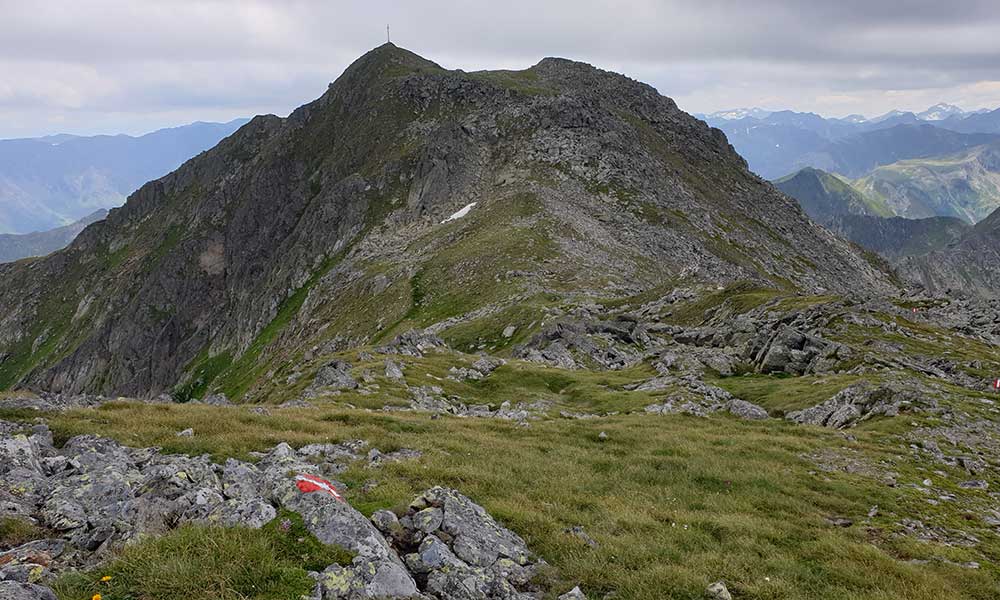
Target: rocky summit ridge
point(325, 228)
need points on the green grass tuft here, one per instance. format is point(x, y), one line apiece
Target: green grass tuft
point(211, 563)
point(14, 532)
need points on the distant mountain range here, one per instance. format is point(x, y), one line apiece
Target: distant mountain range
point(53, 181)
point(963, 181)
point(964, 184)
point(777, 143)
point(17, 246)
point(860, 154)
point(871, 223)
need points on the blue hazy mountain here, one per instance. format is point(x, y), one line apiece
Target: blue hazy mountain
point(50, 182)
point(17, 246)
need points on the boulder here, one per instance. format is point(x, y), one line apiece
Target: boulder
point(718, 591)
point(13, 590)
point(335, 375)
point(574, 594)
point(747, 410)
point(476, 538)
point(367, 579)
point(393, 370)
point(338, 523)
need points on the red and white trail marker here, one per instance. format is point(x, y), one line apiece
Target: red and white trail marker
point(996, 384)
point(308, 484)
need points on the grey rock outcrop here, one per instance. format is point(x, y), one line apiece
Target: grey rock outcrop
point(718, 591)
point(95, 495)
point(455, 549)
point(858, 403)
point(413, 343)
point(700, 399)
point(796, 353)
point(12, 590)
point(568, 343)
point(335, 376)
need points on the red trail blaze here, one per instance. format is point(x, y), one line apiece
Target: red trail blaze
point(308, 484)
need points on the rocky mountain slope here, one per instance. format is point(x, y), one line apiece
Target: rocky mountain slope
point(494, 336)
point(968, 266)
point(943, 255)
point(866, 427)
point(896, 237)
point(53, 181)
point(14, 247)
point(295, 237)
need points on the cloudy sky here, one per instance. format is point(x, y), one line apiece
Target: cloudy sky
point(92, 66)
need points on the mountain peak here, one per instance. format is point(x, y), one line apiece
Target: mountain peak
point(285, 236)
point(390, 59)
point(940, 112)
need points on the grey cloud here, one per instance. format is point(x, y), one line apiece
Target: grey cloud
point(68, 65)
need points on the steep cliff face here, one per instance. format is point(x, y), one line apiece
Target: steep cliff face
point(331, 227)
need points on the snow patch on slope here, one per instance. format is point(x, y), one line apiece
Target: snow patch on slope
point(458, 215)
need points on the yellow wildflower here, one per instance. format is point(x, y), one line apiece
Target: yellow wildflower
point(106, 579)
point(96, 597)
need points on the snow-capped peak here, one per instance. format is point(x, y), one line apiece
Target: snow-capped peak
point(940, 111)
point(735, 114)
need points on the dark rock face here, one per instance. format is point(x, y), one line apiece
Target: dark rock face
point(281, 223)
